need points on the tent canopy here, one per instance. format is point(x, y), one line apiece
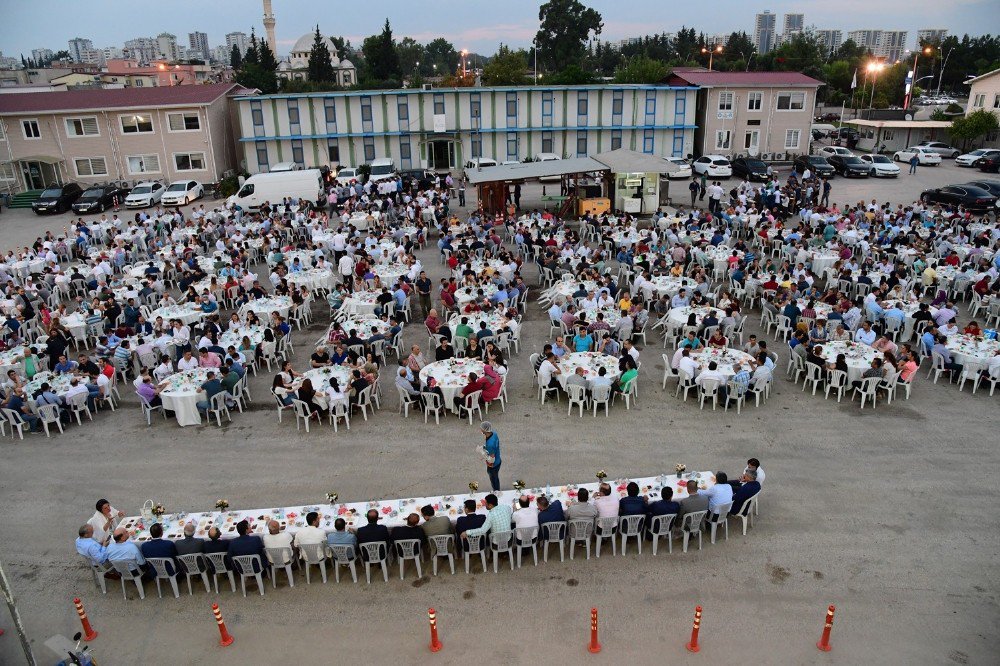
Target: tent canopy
point(615, 161)
point(630, 161)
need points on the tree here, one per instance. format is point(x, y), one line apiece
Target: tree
point(506, 68)
point(252, 56)
point(442, 53)
point(642, 69)
point(850, 51)
point(320, 68)
point(571, 75)
point(411, 52)
point(382, 58)
point(978, 123)
point(565, 28)
point(260, 69)
point(235, 58)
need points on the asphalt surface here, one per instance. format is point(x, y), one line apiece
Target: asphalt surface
point(887, 513)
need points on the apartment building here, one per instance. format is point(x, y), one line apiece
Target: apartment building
point(984, 94)
point(94, 136)
point(444, 128)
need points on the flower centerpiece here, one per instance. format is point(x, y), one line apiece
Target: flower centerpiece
point(158, 511)
point(679, 468)
point(519, 485)
point(332, 498)
point(473, 487)
point(222, 504)
point(601, 475)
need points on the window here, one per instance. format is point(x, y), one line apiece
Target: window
point(547, 103)
point(136, 124)
point(888, 135)
point(678, 147)
point(725, 101)
point(511, 105)
point(257, 116)
point(403, 109)
point(189, 161)
point(792, 139)
point(369, 148)
point(82, 127)
point(581, 143)
point(647, 141)
point(329, 112)
point(723, 139)
point(978, 102)
point(332, 150)
point(751, 139)
point(475, 106)
point(6, 171)
point(616, 103)
point(30, 129)
point(293, 113)
point(184, 122)
point(262, 161)
point(581, 103)
point(91, 166)
point(2, 135)
point(438, 104)
point(297, 155)
point(477, 145)
point(139, 164)
point(404, 148)
point(616, 139)
point(753, 123)
point(366, 109)
point(511, 145)
point(650, 102)
point(754, 101)
point(547, 142)
point(996, 101)
point(680, 106)
point(791, 101)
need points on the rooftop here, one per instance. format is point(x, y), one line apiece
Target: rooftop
point(122, 98)
point(707, 79)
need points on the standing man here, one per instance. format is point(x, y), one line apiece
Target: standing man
point(491, 454)
point(517, 196)
point(694, 187)
point(424, 286)
point(826, 192)
point(703, 185)
point(461, 192)
point(913, 163)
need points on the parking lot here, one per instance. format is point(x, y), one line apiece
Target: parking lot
point(885, 513)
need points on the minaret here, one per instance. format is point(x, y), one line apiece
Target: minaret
point(269, 27)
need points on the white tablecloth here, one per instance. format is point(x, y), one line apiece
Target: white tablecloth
point(263, 307)
point(188, 313)
point(725, 358)
point(966, 349)
point(467, 294)
point(181, 395)
point(452, 376)
point(822, 260)
point(591, 362)
point(313, 278)
point(77, 325)
point(679, 316)
point(361, 302)
point(858, 356)
point(320, 378)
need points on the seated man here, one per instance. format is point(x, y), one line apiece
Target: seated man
point(189, 544)
point(632, 504)
point(247, 544)
point(96, 553)
point(693, 503)
point(411, 530)
point(208, 390)
point(548, 513)
point(373, 532)
point(470, 520)
point(434, 525)
point(159, 547)
point(475, 384)
point(662, 507)
point(341, 536)
point(312, 533)
point(121, 549)
point(719, 494)
point(750, 487)
point(276, 539)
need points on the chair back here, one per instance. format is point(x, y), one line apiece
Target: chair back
point(501, 541)
point(407, 548)
point(692, 521)
point(343, 553)
point(722, 512)
point(247, 565)
point(631, 525)
point(128, 569)
point(555, 531)
point(601, 393)
point(312, 553)
point(442, 543)
point(661, 525)
point(472, 399)
point(474, 544)
point(193, 563)
point(163, 566)
point(606, 526)
point(838, 378)
point(49, 413)
point(576, 392)
point(218, 561)
point(375, 551)
point(526, 535)
point(218, 402)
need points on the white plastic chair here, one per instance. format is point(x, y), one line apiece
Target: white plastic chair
point(343, 555)
point(280, 558)
point(220, 567)
point(442, 545)
point(526, 537)
point(163, 566)
point(837, 382)
point(432, 405)
point(17, 422)
point(867, 390)
point(709, 389)
point(302, 413)
point(580, 530)
point(470, 404)
point(474, 545)
point(554, 532)
point(217, 407)
point(128, 570)
point(194, 564)
point(49, 414)
point(408, 549)
point(606, 528)
point(662, 526)
point(98, 570)
point(375, 552)
point(814, 374)
point(601, 395)
point(148, 409)
point(339, 410)
point(249, 566)
point(500, 543)
point(313, 554)
point(631, 526)
point(577, 395)
point(719, 520)
point(745, 514)
point(691, 524)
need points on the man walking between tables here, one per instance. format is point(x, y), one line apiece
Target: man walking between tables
point(491, 454)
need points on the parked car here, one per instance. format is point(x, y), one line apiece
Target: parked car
point(942, 149)
point(480, 163)
point(423, 178)
point(969, 159)
point(98, 198)
point(347, 174)
point(849, 165)
point(183, 192)
point(382, 169)
point(830, 151)
point(972, 198)
point(715, 166)
point(750, 168)
point(57, 198)
point(880, 165)
point(991, 186)
point(989, 163)
point(145, 194)
point(844, 133)
point(815, 163)
point(925, 156)
point(683, 167)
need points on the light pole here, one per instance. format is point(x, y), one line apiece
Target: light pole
point(874, 68)
point(913, 76)
point(464, 54)
point(711, 52)
point(944, 64)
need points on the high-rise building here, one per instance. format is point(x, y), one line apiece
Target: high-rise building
point(868, 39)
point(830, 40)
point(143, 49)
point(764, 31)
point(41, 55)
point(198, 41)
point(166, 46)
point(112, 53)
point(240, 40)
point(77, 45)
point(932, 35)
point(892, 44)
point(221, 54)
point(92, 56)
point(793, 23)
point(717, 40)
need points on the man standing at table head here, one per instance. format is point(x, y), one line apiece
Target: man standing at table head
point(491, 454)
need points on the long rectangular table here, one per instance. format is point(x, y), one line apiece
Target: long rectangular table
point(394, 512)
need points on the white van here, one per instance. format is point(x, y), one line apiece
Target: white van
point(306, 184)
point(285, 166)
point(382, 169)
point(480, 163)
point(547, 157)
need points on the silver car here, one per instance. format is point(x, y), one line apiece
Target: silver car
point(942, 149)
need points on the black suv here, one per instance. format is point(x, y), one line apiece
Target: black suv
point(849, 166)
point(57, 198)
point(99, 198)
point(750, 168)
point(815, 163)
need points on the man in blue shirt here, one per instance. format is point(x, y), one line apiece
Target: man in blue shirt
point(97, 553)
point(64, 366)
point(491, 454)
point(548, 513)
point(121, 549)
point(208, 306)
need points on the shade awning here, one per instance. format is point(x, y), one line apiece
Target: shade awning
point(45, 159)
point(526, 170)
point(623, 160)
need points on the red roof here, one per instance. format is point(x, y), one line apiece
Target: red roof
point(713, 79)
point(116, 98)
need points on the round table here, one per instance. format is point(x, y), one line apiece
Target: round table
point(720, 255)
point(451, 376)
point(188, 313)
point(235, 336)
point(13, 359)
point(612, 315)
point(911, 308)
point(363, 324)
point(859, 356)
point(60, 384)
point(822, 260)
point(566, 288)
point(468, 294)
point(626, 237)
point(668, 285)
point(180, 395)
point(389, 273)
point(478, 267)
point(263, 307)
point(494, 321)
point(679, 316)
point(313, 278)
point(591, 362)
point(725, 358)
point(972, 349)
point(361, 302)
point(320, 378)
point(76, 323)
point(305, 258)
point(138, 270)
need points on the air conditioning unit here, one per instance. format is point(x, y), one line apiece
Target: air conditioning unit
point(427, 86)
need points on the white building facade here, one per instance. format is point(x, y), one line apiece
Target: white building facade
point(442, 129)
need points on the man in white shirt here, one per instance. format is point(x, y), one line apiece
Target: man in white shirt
point(687, 364)
point(712, 372)
point(188, 362)
point(753, 465)
point(526, 515)
point(275, 538)
point(605, 503)
point(104, 520)
point(311, 533)
point(719, 494)
point(865, 334)
point(547, 371)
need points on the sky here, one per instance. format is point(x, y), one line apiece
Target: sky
point(476, 25)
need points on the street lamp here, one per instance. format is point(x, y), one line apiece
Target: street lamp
point(874, 68)
point(464, 54)
point(941, 73)
point(913, 75)
point(711, 52)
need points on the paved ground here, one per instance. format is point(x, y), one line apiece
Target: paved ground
point(886, 513)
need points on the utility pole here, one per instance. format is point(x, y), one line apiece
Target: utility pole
point(16, 617)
